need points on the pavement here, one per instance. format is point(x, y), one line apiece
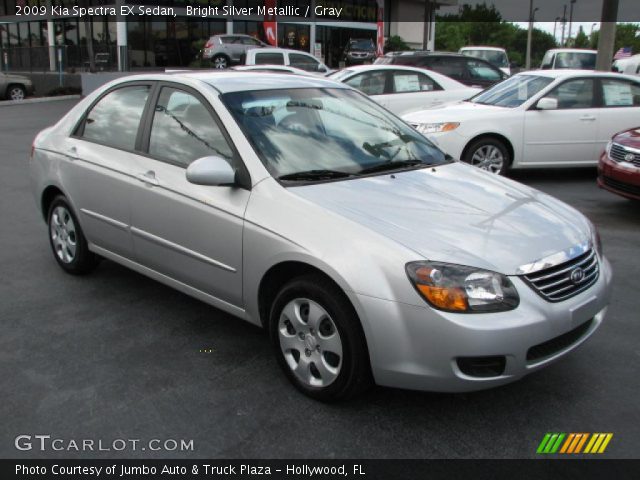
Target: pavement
point(115, 355)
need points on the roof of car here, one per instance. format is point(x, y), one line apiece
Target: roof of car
point(482, 47)
point(563, 73)
point(572, 50)
point(239, 81)
point(421, 53)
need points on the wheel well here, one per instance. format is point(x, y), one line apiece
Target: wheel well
point(495, 136)
point(14, 84)
point(274, 280)
point(48, 195)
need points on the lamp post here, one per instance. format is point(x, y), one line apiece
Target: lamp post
point(555, 23)
point(529, 34)
point(570, 20)
point(564, 23)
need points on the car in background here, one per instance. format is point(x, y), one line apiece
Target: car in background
point(227, 50)
point(291, 58)
point(359, 51)
point(619, 166)
point(271, 69)
point(542, 118)
point(404, 89)
point(629, 65)
point(569, 58)
point(496, 56)
point(302, 206)
point(473, 72)
point(15, 87)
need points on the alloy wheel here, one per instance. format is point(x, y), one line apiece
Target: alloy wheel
point(488, 157)
point(220, 63)
point(310, 342)
point(16, 93)
point(63, 234)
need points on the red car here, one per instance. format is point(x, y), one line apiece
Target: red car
point(619, 167)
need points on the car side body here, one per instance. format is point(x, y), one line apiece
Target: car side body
point(15, 87)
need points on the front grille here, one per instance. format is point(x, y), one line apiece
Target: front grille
point(557, 344)
point(620, 152)
point(621, 186)
point(562, 281)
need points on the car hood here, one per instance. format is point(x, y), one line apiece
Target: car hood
point(458, 214)
point(454, 112)
point(630, 138)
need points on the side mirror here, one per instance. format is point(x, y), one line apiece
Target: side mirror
point(212, 171)
point(547, 103)
point(322, 68)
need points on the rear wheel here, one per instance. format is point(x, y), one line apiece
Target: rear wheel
point(16, 92)
point(67, 241)
point(318, 339)
point(220, 62)
point(488, 154)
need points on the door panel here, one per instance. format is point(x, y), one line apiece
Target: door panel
point(566, 135)
point(189, 232)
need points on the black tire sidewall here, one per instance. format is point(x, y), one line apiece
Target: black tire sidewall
point(355, 361)
point(14, 86)
point(493, 142)
point(84, 260)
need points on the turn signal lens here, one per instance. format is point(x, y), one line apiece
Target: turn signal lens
point(426, 128)
point(462, 289)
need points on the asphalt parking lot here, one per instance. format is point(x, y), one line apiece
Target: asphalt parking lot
point(118, 356)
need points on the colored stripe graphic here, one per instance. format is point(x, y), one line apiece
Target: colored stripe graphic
point(573, 443)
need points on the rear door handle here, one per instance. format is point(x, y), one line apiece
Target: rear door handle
point(149, 178)
point(588, 118)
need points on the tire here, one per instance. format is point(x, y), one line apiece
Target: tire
point(220, 62)
point(16, 92)
point(332, 360)
point(499, 159)
point(68, 243)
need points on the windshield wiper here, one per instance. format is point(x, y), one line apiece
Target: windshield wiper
point(314, 175)
point(387, 166)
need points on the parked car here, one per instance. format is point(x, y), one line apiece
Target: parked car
point(271, 69)
point(404, 89)
point(569, 58)
point(544, 118)
point(300, 205)
point(282, 56)
point(227, 50)
point(496, 56)
point(629, 65)
point(619, 167)
point(359, 51)
point(15, 87)
point(473, 72)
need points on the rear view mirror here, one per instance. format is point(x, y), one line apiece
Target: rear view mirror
point(547, 103)
point(213, 171)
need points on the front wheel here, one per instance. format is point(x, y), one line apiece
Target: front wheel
point(488, 154)
point(67, 241)
point(318, 339)
point(16, 92)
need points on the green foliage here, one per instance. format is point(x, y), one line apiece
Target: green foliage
point(627, 35)
point(581, 40)
point(395, 43)
point(483, 25)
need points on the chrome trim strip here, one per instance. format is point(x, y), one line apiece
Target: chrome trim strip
point(628, 149)
point(554, 259)
point(590, 260)
point(180, 249)
point(102, 218)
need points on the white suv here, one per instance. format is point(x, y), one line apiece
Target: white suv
point(293, 58)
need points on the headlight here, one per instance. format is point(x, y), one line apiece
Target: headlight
point(426, 128)
point(461, 289)
point(596, 241)
point(608, 148)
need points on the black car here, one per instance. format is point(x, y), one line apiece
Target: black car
point(359, 51)
point(473, 72)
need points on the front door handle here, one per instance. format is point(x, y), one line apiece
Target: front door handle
point(72, 153)
point(588, 118)
point(149, 178)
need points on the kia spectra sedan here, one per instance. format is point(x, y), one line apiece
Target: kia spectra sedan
point(302, 206)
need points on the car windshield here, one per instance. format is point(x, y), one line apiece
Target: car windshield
point(328, 133)
point(513, 92)
point(576, 60)
point(361, 45)
point(496, 58)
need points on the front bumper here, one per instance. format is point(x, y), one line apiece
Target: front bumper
point(417, 347)
point(619, 179)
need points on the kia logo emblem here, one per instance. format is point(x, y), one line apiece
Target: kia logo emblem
point(629, 157)
point(577, 276)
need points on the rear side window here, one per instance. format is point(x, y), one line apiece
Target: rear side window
point(620, 93)
point(115, 119)
point(269, 59)
point(370, 83)
point(303, 62)
point(406, 82)
point(183, 130)
point(451, 67)
point(483, 71)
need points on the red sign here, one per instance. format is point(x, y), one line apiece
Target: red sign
point(380, 33)
point(270, 24)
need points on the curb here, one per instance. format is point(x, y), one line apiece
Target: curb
point(9, 103)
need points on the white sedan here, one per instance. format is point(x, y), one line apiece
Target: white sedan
point(552, 118)
point(404, 89)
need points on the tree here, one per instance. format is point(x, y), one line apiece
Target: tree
point(395, 43)
point(581, 40)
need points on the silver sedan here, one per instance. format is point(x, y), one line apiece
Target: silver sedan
point(300, 205)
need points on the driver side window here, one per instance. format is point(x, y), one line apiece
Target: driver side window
point(572, 94)
point(372, 83)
